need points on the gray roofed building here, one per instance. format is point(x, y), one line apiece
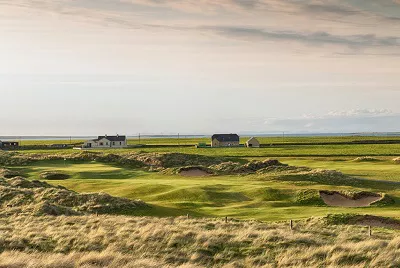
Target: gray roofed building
point(225, 140)
point(111, 138)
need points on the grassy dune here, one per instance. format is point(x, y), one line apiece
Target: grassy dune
point(258, 196)
point(117, 241)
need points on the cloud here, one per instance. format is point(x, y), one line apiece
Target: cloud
point(357, 120)
point(318, 8)
point(361, 113)
point(314, 38)
point(256, 27)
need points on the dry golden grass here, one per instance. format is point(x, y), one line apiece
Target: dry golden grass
point(119, 241)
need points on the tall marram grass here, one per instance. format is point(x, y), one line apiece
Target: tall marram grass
point(118, 241)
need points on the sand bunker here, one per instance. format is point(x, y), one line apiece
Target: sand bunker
point(195, 172)
point(365, 159)
point(8, 174)
point(396, 160)
point(336, 199)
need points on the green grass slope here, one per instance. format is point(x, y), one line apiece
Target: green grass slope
point(265, 196)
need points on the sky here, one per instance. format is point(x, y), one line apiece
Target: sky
point(91, 67)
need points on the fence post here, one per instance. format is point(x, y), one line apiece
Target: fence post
point(187, 216)
point(226, 219)
point(369, 231)
point(291, 224)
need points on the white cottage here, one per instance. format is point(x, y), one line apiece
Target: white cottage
point(107, 142)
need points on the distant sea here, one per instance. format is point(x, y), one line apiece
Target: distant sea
point(160, 136)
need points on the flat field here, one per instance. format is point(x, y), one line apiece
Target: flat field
point(263, 140)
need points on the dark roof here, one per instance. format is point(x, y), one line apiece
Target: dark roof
point(225, 137)
point(8, 142)
point(111, 138)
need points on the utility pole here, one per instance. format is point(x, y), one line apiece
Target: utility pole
point(283, 136)
point(178, 141)
point(139, 138)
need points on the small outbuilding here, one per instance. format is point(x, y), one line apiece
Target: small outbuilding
point(253, 143)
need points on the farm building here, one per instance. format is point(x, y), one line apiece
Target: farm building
point(107, 142)
point(9, 144)
point(224, 140)
point(253, 143)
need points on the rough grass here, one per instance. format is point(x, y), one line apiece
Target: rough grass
point(117, 241)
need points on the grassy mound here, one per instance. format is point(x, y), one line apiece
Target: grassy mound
point(20, 196)
point(12, 159)
point(248, 168)
point(353, 195)
point(171, 160)
point(223, 167)
point(135, 160)
point(283, 170)
point(308, 198)
point(318, 176)
point(17, 159)
point(54, 175)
